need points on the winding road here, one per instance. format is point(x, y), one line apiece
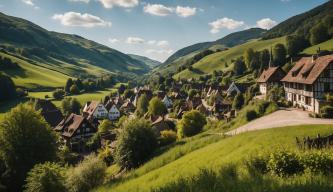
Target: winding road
point(280, 118)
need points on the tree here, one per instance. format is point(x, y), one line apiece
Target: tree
point(192, 93)
point(239, 67)
point(295, 44)
point(105, 126)
point(79, 84)
point(191, 124)
point(121, 89)
point(248, 57)
point(47, 177)
point(70, 105)
point(87, 175)
point(58, 94)
point(238, 101)
point(7, 88)
point(279, 54)
point(142, 105)
point(74, 89)
point(128, 93)
point(328, 22)
point(25, 140)
point(319, 34)
point(68, 85)
point(156, 107)
point(135, 144)
point(264, 58)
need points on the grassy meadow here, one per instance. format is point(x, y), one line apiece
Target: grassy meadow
point(327, 45)
point(209, 151)
point(218, 60)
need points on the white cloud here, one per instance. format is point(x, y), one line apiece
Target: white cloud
point(225, 22)
point(266, 23)
point(159, 51)
point(151, 42)
point(119, 3)
point(157, 9)
point(162, 43)
point(135, 40)
point(112, 41)
point(83, 1)
point(28, 2)
point(80, 20)
point(185, 11)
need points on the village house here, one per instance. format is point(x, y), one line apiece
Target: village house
point(75, 131)
point(49, 111)
point(161, 124)
point(114, 113)
point(269, 78)
point(236, 88)
point(309, 81)
point(167, 101)
point(127, 108)
point(95, 109)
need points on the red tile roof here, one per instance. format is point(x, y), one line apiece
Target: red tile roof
point(272, 74)
point(307, 72)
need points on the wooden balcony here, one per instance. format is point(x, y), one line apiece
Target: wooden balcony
point(299, 92)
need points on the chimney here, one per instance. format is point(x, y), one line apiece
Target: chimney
point(314, 57)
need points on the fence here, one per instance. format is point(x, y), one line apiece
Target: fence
point(315, 143)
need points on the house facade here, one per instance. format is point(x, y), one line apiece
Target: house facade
point(309, 81)
point(114, 113)
point(167, 101)
point(95, 109)
point(269, 78)
point(75, 131)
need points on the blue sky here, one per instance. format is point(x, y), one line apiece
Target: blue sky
point(154, 28)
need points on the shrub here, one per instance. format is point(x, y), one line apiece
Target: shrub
point(156, 107)
point(191, 124)
point(250, 115)
point(318, 162)
point(74, 89)
point(136, 142)
point(257, 164)
point(327, 112)
point(58, 94)
point(86, 175)
point(284, 163)
point(106, 155)
point(20, 92)
point(167, 137)
point(238, 101)
point(47, 177)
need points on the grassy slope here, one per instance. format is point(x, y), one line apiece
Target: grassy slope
point(217, 61)
point(164, 169)
point(327, 45)
point(31, 75)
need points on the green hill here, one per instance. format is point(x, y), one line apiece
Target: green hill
point(181, 56)
point(327, 45)
point(68, 54)
point(147, 61)
point(301, 23)
point(222, 60)
point(207, 151)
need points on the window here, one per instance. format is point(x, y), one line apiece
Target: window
point(326, 87)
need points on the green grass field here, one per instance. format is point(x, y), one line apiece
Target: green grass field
point(208, 151)
point(327, 45)
point(217, 61)
point(32, 76)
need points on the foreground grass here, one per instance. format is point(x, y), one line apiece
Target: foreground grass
point(165, 169)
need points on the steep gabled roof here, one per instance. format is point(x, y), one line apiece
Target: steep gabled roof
point(272, 74)
point(307, 71)
point(70, 124)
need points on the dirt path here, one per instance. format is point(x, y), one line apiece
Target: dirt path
point(280, 118)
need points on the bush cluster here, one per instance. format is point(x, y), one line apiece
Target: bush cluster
point(287, 163)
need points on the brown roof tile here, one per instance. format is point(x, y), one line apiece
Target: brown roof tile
point(305, 71)
point(272, 74)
